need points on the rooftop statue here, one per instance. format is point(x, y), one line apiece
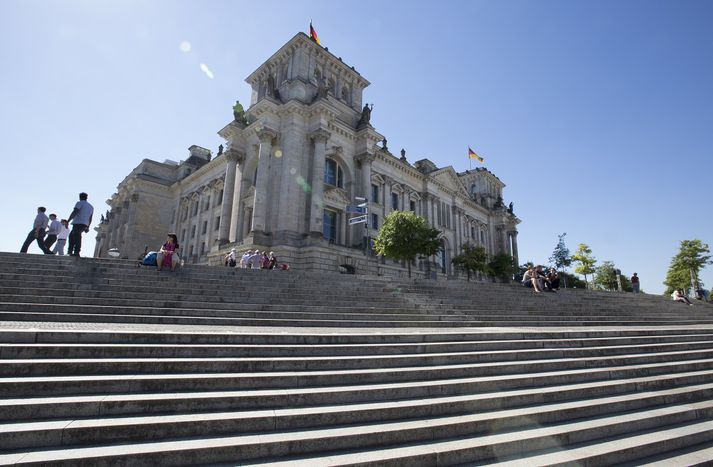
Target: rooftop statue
point(239, 113)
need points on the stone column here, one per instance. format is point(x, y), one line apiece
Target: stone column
point(320, 138)
point(263, 165)
point(515, 256)
point(199, 224)
point(227, 208)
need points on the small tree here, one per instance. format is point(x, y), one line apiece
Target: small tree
point(583, 256)
point(561, 258)
point(574, 281)
point(472, 259)
point(502, 266)
point(605, 276)
point(404, 236)
point(686, 265)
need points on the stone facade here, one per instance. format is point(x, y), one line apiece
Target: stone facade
point(304, 150)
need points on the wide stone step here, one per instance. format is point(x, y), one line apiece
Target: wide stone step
point(554, 405)
point(492, 362)
point(450, 380)
point(549, 337)
point(497, 351)
point(471, 446)
point(456, 321)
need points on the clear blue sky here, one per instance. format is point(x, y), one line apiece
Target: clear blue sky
point(597, 115)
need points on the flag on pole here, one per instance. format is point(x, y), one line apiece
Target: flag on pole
point(473, 155)
point(313, 34)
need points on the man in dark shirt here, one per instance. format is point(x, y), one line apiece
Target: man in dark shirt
point(38, 231)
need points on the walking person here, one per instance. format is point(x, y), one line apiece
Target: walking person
point(82, 215)
point(52, 233)
point(635, 283)
point(61, 238)
point(39, 227)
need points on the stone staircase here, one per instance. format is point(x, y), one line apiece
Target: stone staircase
point(106, 363)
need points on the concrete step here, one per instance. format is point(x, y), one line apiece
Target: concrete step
point(457, 321)
point(487, 362)
point(454, 353)
point(379, 383)
point(514, 410)
point(507, 349)
point(470, 446)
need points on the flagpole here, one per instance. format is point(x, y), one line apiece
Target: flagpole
point(470, 160)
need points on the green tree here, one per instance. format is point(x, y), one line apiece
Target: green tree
point(561, 258)
point(605, 276)
point(583, 257)
point(502, 266)
point(472, 259)
point(573, 281)
point(686, 265)
point(404, 236)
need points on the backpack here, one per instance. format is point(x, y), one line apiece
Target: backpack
point(150, 259)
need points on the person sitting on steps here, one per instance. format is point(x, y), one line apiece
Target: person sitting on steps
point(168, 255)
point(679, 296)
point(529, 279)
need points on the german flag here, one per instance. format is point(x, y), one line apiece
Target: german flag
point(313, 34)
point(473, 155)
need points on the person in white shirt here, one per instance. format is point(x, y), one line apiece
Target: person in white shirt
point(82, 215)
point(245, 260)
point(52, 232)
point(61, 237)
point(39, 227)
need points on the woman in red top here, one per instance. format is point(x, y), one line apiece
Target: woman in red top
point(168, 255)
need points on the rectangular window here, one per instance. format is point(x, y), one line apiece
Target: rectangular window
point(375, 194)
point(205, 227)
point(394, 201)
point(374, 221)
point(482, 237)
point(329, 225)
point(438, 216)
point(412, 205)
point(217, 223)
point(472, 232)
point(448, 216)
point(190, 251)
point(193, 232)
point(183, 235)
point(219, 198)
point(173, 216)
point(203, 248)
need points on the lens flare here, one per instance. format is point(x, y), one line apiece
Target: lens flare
point(303, 184)
point(293, 171)
point(185, 47)
point(278, 153)
point(206, 70)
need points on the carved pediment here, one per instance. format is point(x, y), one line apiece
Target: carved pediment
point(448, 177)
point(336, 196)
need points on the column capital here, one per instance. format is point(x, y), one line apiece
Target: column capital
point(266, 134)
point(320, 135)
point(365, 157)
point(234, 156)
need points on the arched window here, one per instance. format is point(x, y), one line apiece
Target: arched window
point(332, 87)
point(473, 189)
point(333, 174)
